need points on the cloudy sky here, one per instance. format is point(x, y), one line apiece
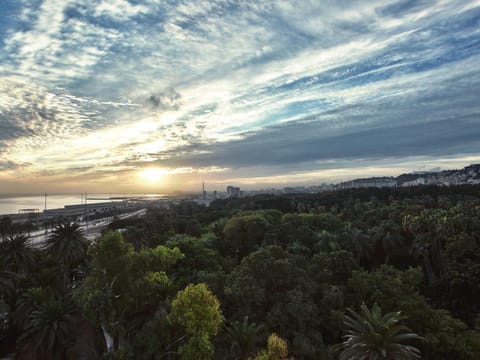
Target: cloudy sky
point(157, 95)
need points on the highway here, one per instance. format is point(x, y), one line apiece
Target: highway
point(91, 229)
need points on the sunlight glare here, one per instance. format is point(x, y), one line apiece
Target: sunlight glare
point(151, 174)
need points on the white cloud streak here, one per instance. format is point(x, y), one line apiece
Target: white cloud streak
point(76, 80)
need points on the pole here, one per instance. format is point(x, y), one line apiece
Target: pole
point(86, 210)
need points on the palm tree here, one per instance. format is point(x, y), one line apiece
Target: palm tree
point(30, 301)
point(7, 284)
point(5, 226)
point(371, 335)
point(420, 252)
point(362, 247)
point(427, 232)
point(243, 336)
point(68, 246)
point(7, 280)
point(18, 253)
point(326, 241)
point(49, 330)
point(97, 299)
point(389, 242)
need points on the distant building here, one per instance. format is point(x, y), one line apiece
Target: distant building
point(419, 181)
point(295, 190)
point(321, 188)
point(368, 183)
point(233, 192)
point(85, 209)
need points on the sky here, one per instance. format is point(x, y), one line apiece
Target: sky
point(156, 96)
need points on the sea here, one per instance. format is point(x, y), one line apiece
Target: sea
point(12, 204)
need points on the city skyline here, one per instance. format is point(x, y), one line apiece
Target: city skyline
point(124, 96)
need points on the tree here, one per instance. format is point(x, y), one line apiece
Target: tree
point(197, 311)
point(243, 234)
point(275, 289)
point(49, 330)
point(30, 300)
point(68, 246)
point(462, 278)
point(6, 225)
point(277, 349)
point(356, 241)
point(200, 264)
point(338, 265)
point(18, 253)
point(371, 335)
point(125, 288)
point(428, 231)
point(243, 337)
point(445, 336)
point(326, 241)
point(7, 284)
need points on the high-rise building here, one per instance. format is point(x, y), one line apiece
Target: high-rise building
point(233, 191)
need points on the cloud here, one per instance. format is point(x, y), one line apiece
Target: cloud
point(8, 165)
point(270, 86)
point(167, 100)
point(295, 144)
point(119, 9)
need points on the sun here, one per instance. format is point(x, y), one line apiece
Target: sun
point(151, 175)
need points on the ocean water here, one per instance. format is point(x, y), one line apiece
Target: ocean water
point(11, 204)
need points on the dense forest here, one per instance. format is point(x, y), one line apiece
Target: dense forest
point(353, 274)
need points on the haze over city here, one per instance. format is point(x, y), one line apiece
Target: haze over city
point(154, 96)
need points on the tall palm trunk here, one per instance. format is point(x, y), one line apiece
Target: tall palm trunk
point(437, 257)
point(109, 342)
point(427, 267)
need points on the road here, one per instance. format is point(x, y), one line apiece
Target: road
point(91, 229)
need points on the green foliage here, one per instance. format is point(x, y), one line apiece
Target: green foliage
point(49, 329)
point(397, 290)
point(197, 311)
point(262, 355)
point(371, 335)
point(68, 247)
point(6, 225)
point(159, 258)
point(125, 288)
point(243, 233)
point(337, 265)
point(289, 263)
point(201, 262)
point(67, 244)
point(18, 254)
point(109, 253)
point(243, 337)
point(30, 301)
point(462, 278)
point(7, 282)
point(122, 354)
point(325, 221)
point(197, 347)
point(273, 288)
point(277, 347)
